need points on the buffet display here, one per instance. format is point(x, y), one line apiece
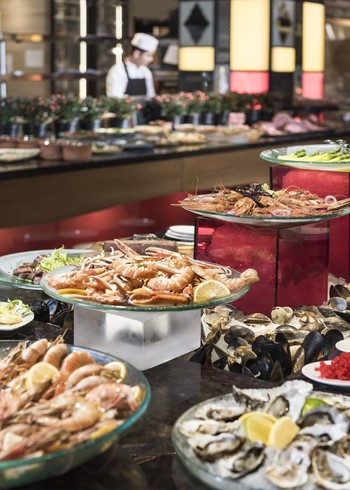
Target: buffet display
point(64, 404)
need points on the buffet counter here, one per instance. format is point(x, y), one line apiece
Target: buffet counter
point(40, 191)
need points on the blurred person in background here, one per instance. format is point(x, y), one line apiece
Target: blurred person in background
point(132, 76)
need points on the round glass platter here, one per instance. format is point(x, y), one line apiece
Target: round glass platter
point(8, 263)
point(50, 291)
point(281, 156)
point(19, 472)
point(270, 220)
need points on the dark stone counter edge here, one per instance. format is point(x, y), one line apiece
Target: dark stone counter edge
point(41, 167)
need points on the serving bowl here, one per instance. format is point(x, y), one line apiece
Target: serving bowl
point(18, 472)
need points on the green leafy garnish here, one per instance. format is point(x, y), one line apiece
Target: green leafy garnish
point(15, 306)
point(58, 258)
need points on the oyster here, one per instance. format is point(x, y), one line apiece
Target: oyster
point(325, 421)
point(211, 447)
point(331, 471)
point(248, 458)
point(199, 426)
point(220, 412)
point(289, 468)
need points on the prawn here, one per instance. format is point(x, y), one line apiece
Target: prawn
point(35, 351)
point(113, 395)
point(176, 282)
point(249, 276)
point(133, 270)
point(55, 354)
point(83, 372)
point(75, 360)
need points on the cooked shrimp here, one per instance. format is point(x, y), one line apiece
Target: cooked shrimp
point(134, 269)
point(176, 282)
point(113, 395)
point(35, 351)
point(55, 354)
point(75, 360)
point(247, 277)
point(82, 372)
point(84, 415)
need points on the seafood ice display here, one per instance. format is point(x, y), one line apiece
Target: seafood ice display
point(158, 277)
point(273, 347)
point(284, 437)
point(258, 199)
point(54, 397)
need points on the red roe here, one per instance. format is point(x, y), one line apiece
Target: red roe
point(338, 368)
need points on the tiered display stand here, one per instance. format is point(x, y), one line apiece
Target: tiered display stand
point(290, 254)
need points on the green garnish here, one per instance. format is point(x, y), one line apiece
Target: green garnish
point(58, 258)
point(15, 306)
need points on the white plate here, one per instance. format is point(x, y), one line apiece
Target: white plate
point(26, 319)
point(180, 238)
point(182, 229)
point(343, 345)
point(17, 154)
point(309, 370)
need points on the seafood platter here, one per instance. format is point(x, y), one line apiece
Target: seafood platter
point(284, 437)
point(331, 156)
point(257, 204)
point(160, 278)
point(61, 406)
point(274, 347)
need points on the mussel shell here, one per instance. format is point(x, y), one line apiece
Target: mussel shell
point(261, 367)
point(257, 318)
point(333, 335)
point(287, 330)
point(203, 354)
point(339, 290)
point(238, 331)
point(41, 311)
point(314, 345)
point(338, 303)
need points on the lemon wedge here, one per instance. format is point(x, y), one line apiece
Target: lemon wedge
point(40, 373)
point(118, 368)
point(257, 426)
point(311, 403)
point(282, 433)
point(209, 291)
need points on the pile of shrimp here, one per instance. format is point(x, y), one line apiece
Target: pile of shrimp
point(85, 399)
point(160, 277)
point(254, 200)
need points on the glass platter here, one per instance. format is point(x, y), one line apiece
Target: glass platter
point(207, 472)
point(9, 155)
point(279, 157)
point(98, 306)
point(20, 472)
point(9, 328)
point(269, 220)
point(9, 262)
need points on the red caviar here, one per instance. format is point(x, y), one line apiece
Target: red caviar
point(338, 368)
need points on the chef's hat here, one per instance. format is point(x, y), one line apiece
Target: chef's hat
point(145, 42)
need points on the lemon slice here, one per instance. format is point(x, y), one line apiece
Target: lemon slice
point(10, 319)
point(137, 392)
point(118, 368)
point(209, 290)
point(72, 291)
point(40, 373)
point(282, 432)
point(258, 427)
point(104, 430)
point(259, 415)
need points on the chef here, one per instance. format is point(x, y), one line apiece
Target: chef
point(132, 76)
